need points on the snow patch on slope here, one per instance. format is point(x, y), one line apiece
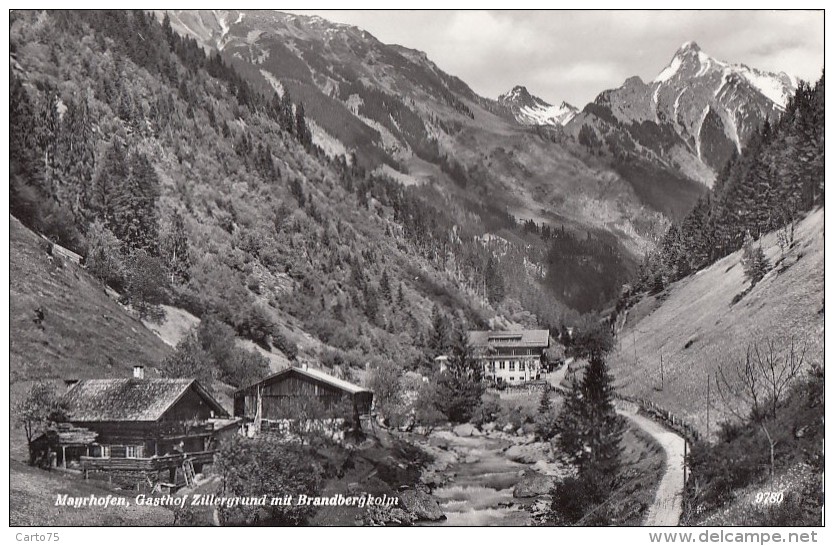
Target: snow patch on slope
point(667, 73)
point(767, 85)
point(224, 28)
point(331, 145)
point(273, 81)
point(548, 115)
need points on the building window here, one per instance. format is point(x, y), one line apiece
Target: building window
point(105, 451)
point(133, 452)
point(521, 366)
point(512, 366)
point(512, 378)
point(501, 365)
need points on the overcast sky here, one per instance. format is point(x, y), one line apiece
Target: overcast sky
point(574, 55)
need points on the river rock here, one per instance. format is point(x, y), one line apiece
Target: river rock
point(489, 427)
point(465, 430)
point(422, 505)
point(508, 428)
point(533, 484)
point(528, 453)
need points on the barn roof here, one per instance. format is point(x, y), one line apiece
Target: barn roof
point(95, 400)
point(509, 338)
point(340, 384)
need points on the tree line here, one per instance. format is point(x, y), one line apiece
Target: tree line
point(778, 177)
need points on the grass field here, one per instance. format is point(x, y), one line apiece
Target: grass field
point(696, 329)
point(32, 495)
point(643, 462)
point(83, 334)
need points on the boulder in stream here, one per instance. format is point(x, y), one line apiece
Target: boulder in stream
point(465, 430)
point(533, 484)
point(529, 453)
point(422, 505)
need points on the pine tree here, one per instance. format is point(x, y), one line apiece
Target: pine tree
point(46, 127)
point(287, 117)
point(603, 429)
point(134, 208)
point(26, 178)
point(754, 261)
point(302, 132)
point(570, 425)
point(75, 158)
point(546, 419)
point(438, 340)
point(371, 303)
point(174, 250)
point(385, 288)
point(494, 282)
point(107, 183)
point(459, 388)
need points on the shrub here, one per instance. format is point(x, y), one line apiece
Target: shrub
point(39, 410)
point(384, 380)
point(104, 257)
point(266, 466)
point(571, 500)
point(146, 284)
point(546, 418)
point(284, 344)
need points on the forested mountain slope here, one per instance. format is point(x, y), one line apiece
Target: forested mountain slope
point(182, 184)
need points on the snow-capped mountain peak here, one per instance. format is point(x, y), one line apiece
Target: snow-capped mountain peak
point(690, 63)
point(695, 113)
point(531, 110)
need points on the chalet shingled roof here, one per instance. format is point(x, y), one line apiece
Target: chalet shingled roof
point(113, 400)
point(340, 384)
point(509, 338)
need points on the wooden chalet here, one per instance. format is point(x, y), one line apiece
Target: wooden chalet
point(138, 424)
point(279, 396)
point(510, 357)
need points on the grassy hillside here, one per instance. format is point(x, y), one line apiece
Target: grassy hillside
point(32, 493)
point(83, 334)
point(697, 329)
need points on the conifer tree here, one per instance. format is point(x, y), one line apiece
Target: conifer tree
point(174, 250)
point(459, 388)
point(134, 207)
point(546, 419)
point(302, 132)
point(438, 340)
point(754, 261)
point(385, 287)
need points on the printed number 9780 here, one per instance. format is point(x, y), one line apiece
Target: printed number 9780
point(770, 497)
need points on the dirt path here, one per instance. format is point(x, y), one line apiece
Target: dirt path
point(666, 508)
point(556, 377)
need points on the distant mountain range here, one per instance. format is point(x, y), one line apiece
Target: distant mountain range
point(531, 110)
point(638, 150)
point(692, 117)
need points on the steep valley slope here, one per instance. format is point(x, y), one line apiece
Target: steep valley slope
point(697, 329)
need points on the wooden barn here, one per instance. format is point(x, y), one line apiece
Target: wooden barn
point(138, 424)
point(280, 395)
